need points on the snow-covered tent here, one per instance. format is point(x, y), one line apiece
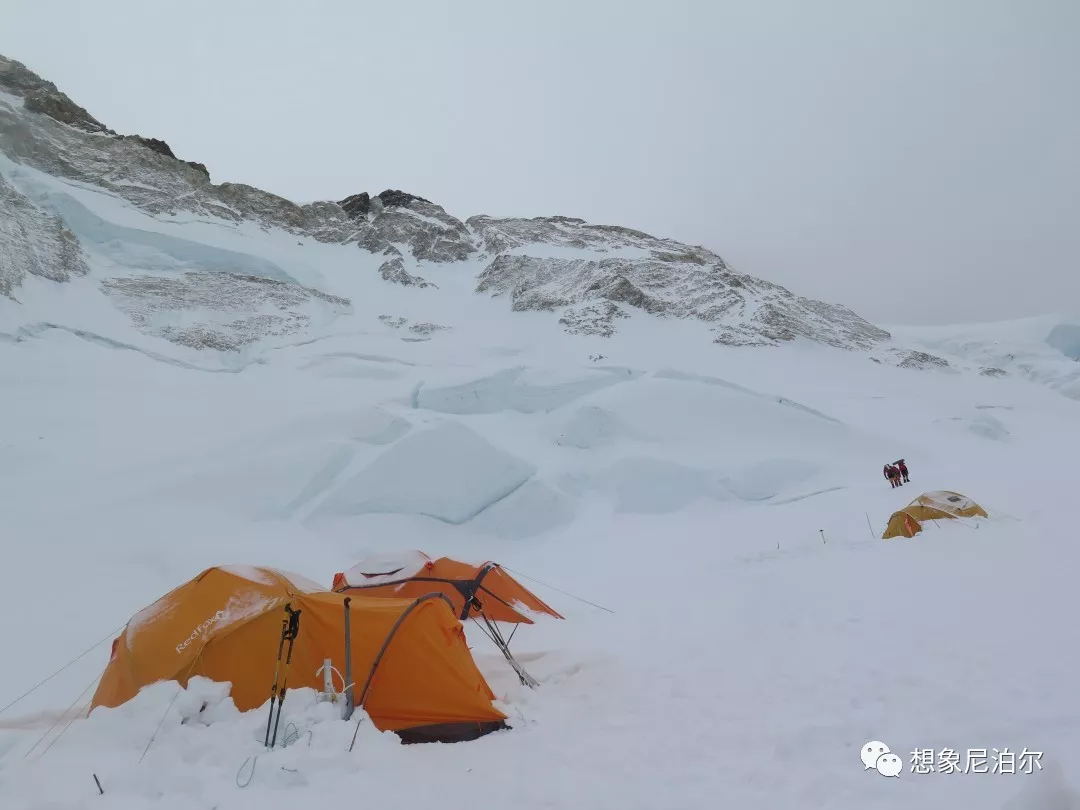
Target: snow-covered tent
point(938, 505)
point(226, 625)
point(485, 593)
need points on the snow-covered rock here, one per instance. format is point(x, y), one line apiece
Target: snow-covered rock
point(1039, 349)
point(34, 242)
point(624, 269)
point(593, 279)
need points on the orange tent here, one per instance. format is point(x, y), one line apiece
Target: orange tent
point(413, 671)
point(485, 590)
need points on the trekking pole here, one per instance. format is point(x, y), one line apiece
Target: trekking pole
point(350, 694)
point(290, 635)
point(274, 686)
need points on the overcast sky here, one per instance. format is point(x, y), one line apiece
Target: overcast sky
point(917, 160)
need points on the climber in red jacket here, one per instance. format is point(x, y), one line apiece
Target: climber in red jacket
point(890, 474)
point(902, 467)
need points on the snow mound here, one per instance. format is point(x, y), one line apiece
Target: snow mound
point(1065, 337)
point(367, 424)
point(588, 427)
point(280, 472)
point(766, 479)
point(447, 472)
point(721, 424)
point(272, 483)
point(983, 425)
point(146, 751)
point(516, 389)
point(532, 509)
point(649, 485)
point(347, 366)
point(685, 376)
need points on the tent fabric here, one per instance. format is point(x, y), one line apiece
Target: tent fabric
point(474, 590)
point(938, 505)
point(413, 670)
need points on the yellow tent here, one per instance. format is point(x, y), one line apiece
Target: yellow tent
point(939, 505)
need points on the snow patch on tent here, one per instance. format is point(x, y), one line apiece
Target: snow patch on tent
point(447, 472)
point(952, 502)
point(516, 389)
point(251, 573)
point(379, 569)
point(300, 582)
point(240, 607)
point(160, 609)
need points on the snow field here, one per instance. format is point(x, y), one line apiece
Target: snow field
point(726, 505)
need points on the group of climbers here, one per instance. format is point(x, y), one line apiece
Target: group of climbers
point(897, 473)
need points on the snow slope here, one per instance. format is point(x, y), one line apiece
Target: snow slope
point(1044, 350)
point(687, 488)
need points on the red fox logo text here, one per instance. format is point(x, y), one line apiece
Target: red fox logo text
point(198, 631)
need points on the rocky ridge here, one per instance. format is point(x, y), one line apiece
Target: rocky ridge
point(591, 277)
point(34, 242)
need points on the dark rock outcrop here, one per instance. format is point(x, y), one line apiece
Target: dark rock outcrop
point(743, 311)
point(44, 97)
point(394, 271)
point(61, 108)
point(357, 206)
point(392, 198)
point(595, 319)
point(162, 148)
